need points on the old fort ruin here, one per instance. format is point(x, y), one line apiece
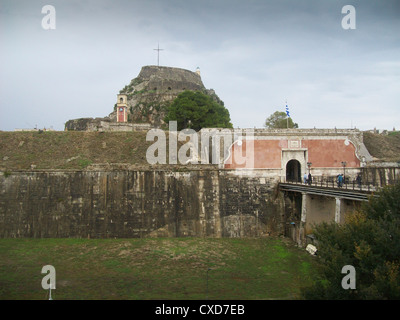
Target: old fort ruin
point(242, 183)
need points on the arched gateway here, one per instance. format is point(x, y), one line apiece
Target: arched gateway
point(293, 171)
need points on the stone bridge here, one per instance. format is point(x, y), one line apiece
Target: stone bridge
point(314, 204)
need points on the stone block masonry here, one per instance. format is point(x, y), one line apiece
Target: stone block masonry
point(138, 203)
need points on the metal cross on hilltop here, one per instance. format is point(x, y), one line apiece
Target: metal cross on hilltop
point(158, 54)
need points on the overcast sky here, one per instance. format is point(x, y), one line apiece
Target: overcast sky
point(254, 54)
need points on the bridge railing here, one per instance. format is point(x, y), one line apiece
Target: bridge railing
point(347, 183)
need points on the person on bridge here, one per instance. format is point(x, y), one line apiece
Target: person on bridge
point(358, 179)
point(340, 180)
point(309, 179)
point(305, 178)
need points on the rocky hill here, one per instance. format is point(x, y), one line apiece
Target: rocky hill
point(149, 95)
point(151, 92)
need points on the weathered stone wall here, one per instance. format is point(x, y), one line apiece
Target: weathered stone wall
point(170, 79)
point(83, 124)
point(381, 175)
point(137, 203)
point(103, 124)
point(250, 203)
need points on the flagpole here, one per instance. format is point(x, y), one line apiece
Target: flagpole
point(287, 116)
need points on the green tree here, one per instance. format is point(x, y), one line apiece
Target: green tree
point(369, 240)
point(278, 120)
point(196, 110)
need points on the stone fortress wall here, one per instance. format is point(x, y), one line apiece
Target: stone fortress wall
point(138, 203)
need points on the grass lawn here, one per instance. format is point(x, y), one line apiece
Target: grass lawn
point(174, 268)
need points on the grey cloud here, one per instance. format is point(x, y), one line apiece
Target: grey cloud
point(255, 54)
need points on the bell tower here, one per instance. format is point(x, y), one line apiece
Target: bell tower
point(122, 108)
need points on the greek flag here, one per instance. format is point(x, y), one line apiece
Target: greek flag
point(287, 111)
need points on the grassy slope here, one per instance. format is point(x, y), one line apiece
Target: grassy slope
point(155, 268)
point(76, 150)
point(383, 147)
point(70, 150)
